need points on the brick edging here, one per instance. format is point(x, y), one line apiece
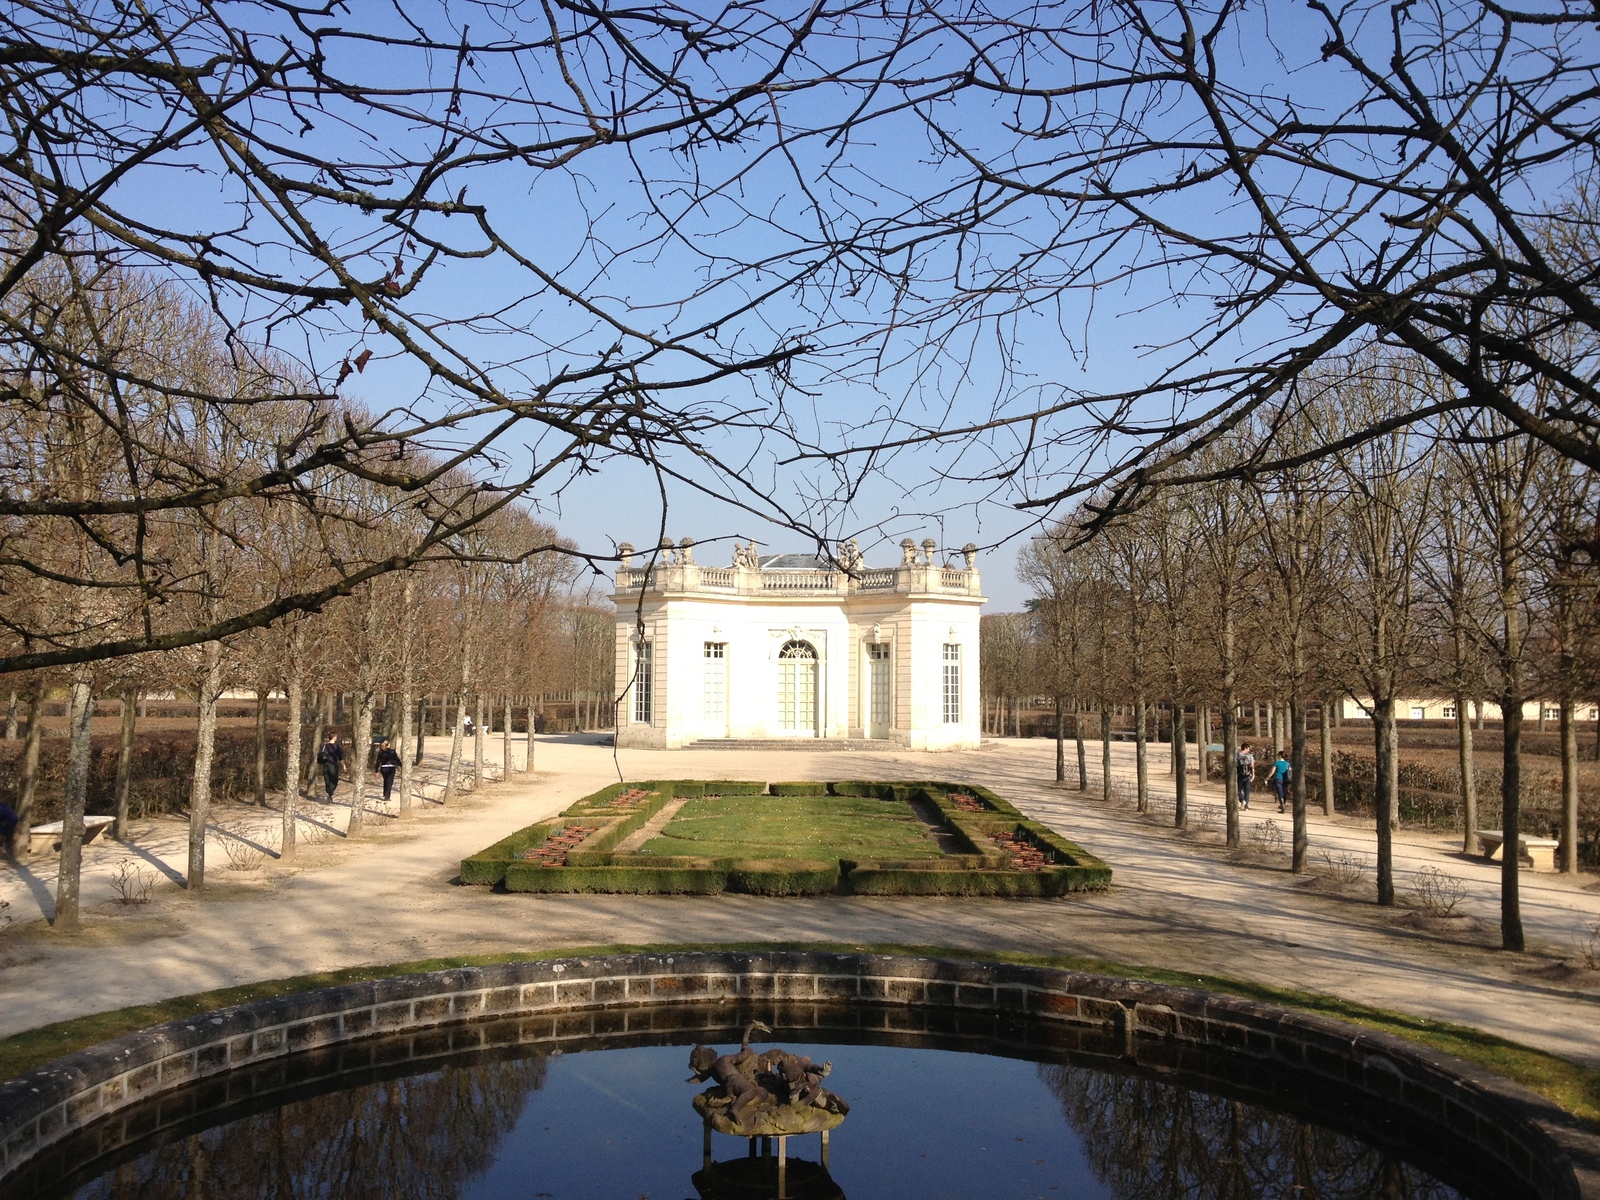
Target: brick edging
point(1532, 1138)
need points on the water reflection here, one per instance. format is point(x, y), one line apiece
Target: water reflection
point(422, 1136)
point(1150, 1140)
point(615, 1123)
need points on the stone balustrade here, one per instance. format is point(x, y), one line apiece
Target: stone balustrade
point(914, 579)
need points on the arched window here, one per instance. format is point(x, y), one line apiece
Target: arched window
point(797, 688)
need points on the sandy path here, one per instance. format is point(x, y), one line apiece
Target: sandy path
point(1180, 902)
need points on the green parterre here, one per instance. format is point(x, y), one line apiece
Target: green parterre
point(791, 839)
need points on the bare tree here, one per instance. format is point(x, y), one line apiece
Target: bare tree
point(1502, 483)
point(1168, 148)
point(1382, 526)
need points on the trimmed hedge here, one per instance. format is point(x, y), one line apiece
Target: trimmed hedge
point(872, 791)
point(1011, 884)
point(598, 846)
point(784, 877)
point(532, 877)
point(980, 871)
point(488, 866)
point(798, 789)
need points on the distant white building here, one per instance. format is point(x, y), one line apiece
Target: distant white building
point(1431, 708)
point(790, 646)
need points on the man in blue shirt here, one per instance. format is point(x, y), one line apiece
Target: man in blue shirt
point(1280, 779)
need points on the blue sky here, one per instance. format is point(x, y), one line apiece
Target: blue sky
point(1113, 338)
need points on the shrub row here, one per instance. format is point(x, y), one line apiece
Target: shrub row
point(707, 877)
point(597, 848)
point(978, 871)
point(161, 774)
point(488, 866)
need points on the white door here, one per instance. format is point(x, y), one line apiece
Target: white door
point(714, 714)
point(797, 689)
point(879, 664)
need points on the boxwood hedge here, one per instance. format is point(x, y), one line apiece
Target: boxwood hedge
point(980, 870)
point(798, 789)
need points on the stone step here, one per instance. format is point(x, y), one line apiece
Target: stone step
point(793, 744)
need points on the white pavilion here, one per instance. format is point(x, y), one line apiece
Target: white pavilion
point(793, 646)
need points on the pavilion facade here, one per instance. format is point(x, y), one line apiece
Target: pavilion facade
point(795, 646)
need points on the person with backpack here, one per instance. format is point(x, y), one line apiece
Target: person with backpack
point(1280, 779)
point(1245, 769)
point(330, 757)
point(388, 762)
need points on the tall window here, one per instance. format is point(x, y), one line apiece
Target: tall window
point(878, 655)
point(644, 683)
point(716, 694)
point(952, 684)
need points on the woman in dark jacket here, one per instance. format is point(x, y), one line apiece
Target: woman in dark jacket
point(388, 762)
point(331, 758)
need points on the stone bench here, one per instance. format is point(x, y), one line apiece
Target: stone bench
point(1537, 852)
point(48, 835)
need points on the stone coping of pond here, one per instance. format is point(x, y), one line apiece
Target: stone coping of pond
point(1547, 1150)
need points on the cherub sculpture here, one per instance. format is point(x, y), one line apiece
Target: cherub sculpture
point(769, 1093)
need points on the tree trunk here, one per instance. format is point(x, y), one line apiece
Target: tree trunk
point(261, 747)
point(1105, 752)
point(1383, 795)
point(1325, 732)
point(506, 761)
point(1061, 743)
point(361, 750)
point(1510, 821)
point(1180, 762)
point(453, 772)
point(1297, 780)
point(119, 810)
point(318, 731)
point(527, 759)
point(408, 669)
point(1394, 771)
point(1255, 715)
point(1469, 783)
point(1230, 759)
point(11, 716)
point(287, 838)
point(480, 741)
point(1569, 787)
point(69, 872)
point(28, 784)
point(1077, 737)
point(422, 731)
point(205, 746)
point(1141, 754)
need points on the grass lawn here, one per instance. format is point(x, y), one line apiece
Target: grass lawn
point(826, 827)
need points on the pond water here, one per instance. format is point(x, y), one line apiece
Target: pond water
point(604, 1124)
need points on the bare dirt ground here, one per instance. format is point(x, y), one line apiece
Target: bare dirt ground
point(1180, 900)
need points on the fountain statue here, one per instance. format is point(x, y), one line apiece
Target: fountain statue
point(770, 1093)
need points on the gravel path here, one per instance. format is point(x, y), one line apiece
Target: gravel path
point(1180, 901)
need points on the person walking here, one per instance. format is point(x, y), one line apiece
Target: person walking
point(8, 830)
point(388, 762)
point(1280, 779)
point(1245, 769)
point(330, 757)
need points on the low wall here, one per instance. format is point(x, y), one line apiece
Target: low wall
point(1391, 1089)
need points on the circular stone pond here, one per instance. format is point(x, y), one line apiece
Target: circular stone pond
point(567, 1079)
